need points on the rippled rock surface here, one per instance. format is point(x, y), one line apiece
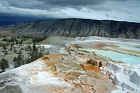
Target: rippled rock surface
point(51, 74)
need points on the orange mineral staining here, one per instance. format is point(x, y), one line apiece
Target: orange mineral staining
point(88, 66)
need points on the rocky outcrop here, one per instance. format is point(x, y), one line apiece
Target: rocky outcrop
point(78, 27)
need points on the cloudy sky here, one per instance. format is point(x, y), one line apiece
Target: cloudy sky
point(122, 10)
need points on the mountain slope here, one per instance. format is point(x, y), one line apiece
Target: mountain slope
point(78, 27)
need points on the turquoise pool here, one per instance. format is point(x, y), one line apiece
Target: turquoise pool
point(126, 58)
point(135, 47)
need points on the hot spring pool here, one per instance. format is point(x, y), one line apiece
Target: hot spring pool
point(135, 47)
point(126, 58)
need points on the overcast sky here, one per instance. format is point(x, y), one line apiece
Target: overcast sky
point(122, 10)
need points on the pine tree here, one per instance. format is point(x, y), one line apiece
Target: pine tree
point(18, 61)
point(34, 54)
point(17, 42)
point(4, 64)
point(15, 62)
point(20, 58)
point(5, 49)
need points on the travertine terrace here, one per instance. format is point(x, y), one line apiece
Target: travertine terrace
point(78, 67)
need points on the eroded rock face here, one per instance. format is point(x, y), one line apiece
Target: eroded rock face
point(78, 27)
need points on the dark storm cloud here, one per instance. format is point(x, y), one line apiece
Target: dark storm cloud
point(73, 2)
point(52, 4)
point(58, 5)
point(72, 8)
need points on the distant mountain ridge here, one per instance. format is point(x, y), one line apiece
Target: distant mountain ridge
point(73, 27)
